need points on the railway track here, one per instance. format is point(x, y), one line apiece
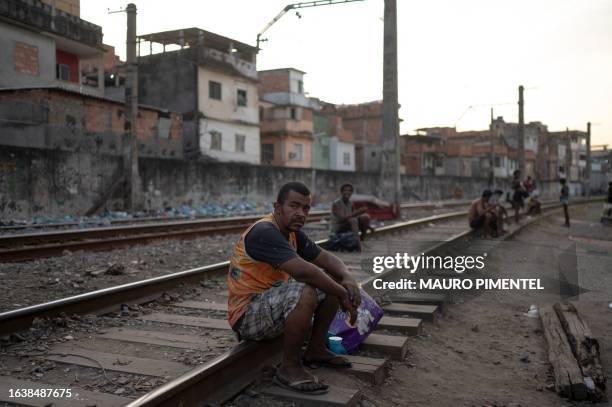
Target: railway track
point(192, 322)
point(29, 246)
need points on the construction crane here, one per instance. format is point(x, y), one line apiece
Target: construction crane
point(295, 6)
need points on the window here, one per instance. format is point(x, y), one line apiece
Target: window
point(300, 87)
point(346, 158)
point(497, 162)
point(267, 153)
point(240, 138)
point(215, 140)
point(298, 153)
point(63, 72)
point(241, 97)
point(293, 113)
point(214, 90)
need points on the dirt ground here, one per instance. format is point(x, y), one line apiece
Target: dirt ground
point(485, 351)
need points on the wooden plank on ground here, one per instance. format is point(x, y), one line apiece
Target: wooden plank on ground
point(424, 312)
point(393, 346)
point(336, 397)
point(116, 362)
point(406, 326)
point(79, 397)
point(568, 377)
point(207, 306)
point(202, 322)
point(584, 345)
point(156, 338)
point(438, 299)
point(372, 370)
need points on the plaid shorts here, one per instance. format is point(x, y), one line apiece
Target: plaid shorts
point(265, 316)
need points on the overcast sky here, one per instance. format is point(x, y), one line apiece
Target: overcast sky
point(453, 54)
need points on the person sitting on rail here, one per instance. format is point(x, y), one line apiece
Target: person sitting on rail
point(483, 215)
point(500, 211)
point(279, 280)
point(534, 206)
point(345, 219)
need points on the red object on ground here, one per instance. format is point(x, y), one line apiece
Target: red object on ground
point(376, 208)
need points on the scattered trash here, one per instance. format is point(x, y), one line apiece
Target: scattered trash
point(115, 269)
point(589, 383)
point(533, 312)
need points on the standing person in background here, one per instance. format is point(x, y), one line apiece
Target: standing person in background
point(564, 199)
point(518, 195)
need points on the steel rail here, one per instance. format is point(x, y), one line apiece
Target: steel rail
point(94, 225)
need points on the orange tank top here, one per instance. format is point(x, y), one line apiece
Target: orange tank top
point(248, 276)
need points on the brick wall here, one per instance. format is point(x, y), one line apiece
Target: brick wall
point(26, 58)
point(271, 82)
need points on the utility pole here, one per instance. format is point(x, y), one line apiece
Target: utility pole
point(130, 144)
point(588, 161)
point(493, 142)
point(521, 133)
point(390, 176)
point(568, 155)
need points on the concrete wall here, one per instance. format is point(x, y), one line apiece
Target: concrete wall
point(45, 46)
point(36, 182)
point(51, 182)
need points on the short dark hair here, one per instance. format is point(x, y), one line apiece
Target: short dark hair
point(487, 193)
point(347, 184)
point(296, 186)
point(498, 192)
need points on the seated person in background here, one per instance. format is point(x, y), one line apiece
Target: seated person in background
point(483, 215)
point(496, 202)
point(534, 206)
point(344, 219)
point(279, 279)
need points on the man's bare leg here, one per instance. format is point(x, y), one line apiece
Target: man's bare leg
point(324, 314)
point(500, 223)
point(355, 229)
point(487, 225)
point(364, 225)
point(296, 330)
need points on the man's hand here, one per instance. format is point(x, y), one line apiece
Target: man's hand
point(347, 306)
point(359, 211)
point(352, 289)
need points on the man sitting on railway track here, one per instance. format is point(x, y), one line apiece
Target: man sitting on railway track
point(279, 280)
point(483, 215)
point(345, 219)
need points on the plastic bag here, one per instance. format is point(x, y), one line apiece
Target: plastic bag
point(368, 315)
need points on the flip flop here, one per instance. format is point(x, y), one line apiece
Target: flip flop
point(298, 386)
point(341, 362)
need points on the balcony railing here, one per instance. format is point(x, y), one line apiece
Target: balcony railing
point(35, 14)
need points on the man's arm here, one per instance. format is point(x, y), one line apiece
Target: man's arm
point(308, 273)
point(333, 266)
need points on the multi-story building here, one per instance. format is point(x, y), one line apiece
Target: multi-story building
point(334, 146)
point(364, 121)
point(46, 44)
point(422, 155)
point(210, 79)
point(287, 120)
point(60, 119)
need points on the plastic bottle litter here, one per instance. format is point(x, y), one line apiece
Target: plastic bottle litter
point(533, 312)
point(610, 305)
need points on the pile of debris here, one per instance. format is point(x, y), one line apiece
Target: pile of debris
point(573, 353)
